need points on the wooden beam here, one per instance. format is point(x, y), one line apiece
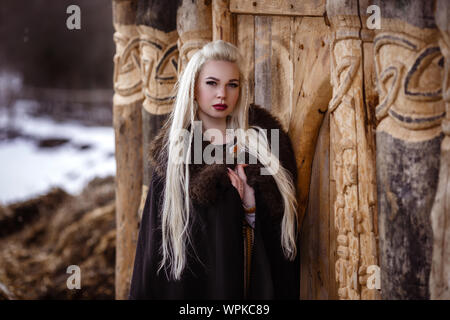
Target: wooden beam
point(246, 44)
point(223, 21)
point(311, 93)
point(280, 7)
point(282, 67)
point(315, 264)
point(440, 268)
point(156, 24)
point(127, 104)
point(408, 139)
point(263, 68)
point(194, 26)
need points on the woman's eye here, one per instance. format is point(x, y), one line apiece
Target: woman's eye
point(233, 85)
point(211, 83)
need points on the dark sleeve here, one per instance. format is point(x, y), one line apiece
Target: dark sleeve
point(144, 264)
point(285, 274)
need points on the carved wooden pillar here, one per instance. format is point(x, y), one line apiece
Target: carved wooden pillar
point(408, 67)
point(156, 24)
point(440, 214)
point(352, 155)
point(194, 26)
point(127, 123)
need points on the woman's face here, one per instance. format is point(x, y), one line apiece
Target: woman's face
point(217, 89)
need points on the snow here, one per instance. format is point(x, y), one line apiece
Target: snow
point(27, 170)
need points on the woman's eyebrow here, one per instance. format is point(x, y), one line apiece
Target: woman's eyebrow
point(215, 79)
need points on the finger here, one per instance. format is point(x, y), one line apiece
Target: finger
point(234, 174)
point(236, 182)
point(241, 190)
point(240, 166)
point(241, 173)
point(236, 179)
point(233, 179)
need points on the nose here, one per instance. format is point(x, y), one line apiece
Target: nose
point(221, 92)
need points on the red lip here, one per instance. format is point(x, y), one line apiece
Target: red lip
point(220, 106)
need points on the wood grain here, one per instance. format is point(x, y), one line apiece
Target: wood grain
point(279, 7)
point(263, 67)
point(127, 105)
point(246, 44)
point(223, 21)
point(440, 213)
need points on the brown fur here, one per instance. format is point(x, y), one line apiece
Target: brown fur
point(207, 180)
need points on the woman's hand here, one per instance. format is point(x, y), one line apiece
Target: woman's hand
point(239, 181)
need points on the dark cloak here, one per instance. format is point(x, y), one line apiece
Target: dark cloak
point(215, 267)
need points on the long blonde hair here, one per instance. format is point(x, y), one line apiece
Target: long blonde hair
point(176, 203)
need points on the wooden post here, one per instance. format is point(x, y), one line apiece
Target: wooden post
point(156, 24)
point(245, 29)
point(223, 22)
point(311, 92)
point(194, 26)
point(263, 69)
point(408, 67)
point(316, 255)
point(440, 214)
point(127, 123)
point(353, 157)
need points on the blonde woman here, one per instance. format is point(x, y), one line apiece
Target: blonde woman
point(219, 220)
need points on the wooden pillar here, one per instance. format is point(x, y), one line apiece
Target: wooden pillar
point(127, 104)
point(352, 155)
point(440, 214)
point(408, 66)
point(245, 41)
point(310, 96)
point(223, 22)
point(194, 26)
point(263, 67)
point(156, 24)
point(310, 53)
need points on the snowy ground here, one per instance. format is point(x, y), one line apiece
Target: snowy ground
point(74, 154)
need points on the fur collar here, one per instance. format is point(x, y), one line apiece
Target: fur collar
point(207, 180)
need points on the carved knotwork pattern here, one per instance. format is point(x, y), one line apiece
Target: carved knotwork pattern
point(407, 70)
point(187, 50)
point(159, 68)
point(127, 80)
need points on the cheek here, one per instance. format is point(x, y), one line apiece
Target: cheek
point(234, 96)
point(204, 93)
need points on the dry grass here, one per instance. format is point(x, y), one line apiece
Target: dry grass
point(41, 237)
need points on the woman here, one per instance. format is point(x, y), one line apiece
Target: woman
point(221, 229)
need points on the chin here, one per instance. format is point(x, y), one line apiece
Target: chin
point(218, 114)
